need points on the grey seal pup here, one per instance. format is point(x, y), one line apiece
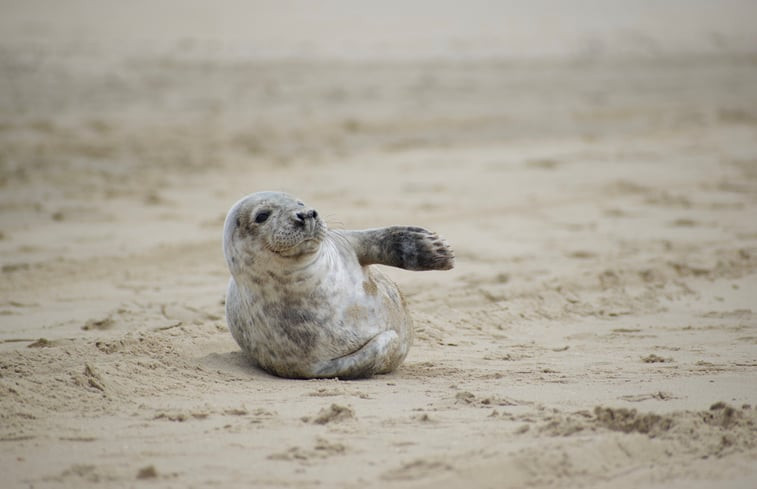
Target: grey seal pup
point(305, 301)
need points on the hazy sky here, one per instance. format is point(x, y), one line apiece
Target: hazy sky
point(391, 28)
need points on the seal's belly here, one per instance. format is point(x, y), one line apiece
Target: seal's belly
point(289, 341)
point(291, 333)
point(324, 333)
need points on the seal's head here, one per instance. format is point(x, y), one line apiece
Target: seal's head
point(268, 227)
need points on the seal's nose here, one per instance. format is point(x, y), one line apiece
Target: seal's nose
point(301, 216)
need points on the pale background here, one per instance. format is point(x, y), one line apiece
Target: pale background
point(592, 163)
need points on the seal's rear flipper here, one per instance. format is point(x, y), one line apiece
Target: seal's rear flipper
point(380, 355)
point(411, 248)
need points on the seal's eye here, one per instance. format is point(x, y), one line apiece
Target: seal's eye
point(262, 216)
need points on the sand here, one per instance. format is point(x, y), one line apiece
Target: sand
point(599, 329)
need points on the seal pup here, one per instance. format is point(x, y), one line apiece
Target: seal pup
point(305, 301)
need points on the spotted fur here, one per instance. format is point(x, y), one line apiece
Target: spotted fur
point(305, 302)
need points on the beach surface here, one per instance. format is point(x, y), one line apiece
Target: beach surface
point(596, 176)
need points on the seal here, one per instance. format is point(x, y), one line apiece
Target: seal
point(304, 301)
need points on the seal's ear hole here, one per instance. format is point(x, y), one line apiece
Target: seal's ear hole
point(262, 216)
point(239, 223)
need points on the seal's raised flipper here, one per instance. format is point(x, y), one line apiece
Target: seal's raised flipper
point(411, 248)
point(375, 357)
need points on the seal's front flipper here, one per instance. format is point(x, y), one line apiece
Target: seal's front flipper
point(411, 248)
point(380, 355)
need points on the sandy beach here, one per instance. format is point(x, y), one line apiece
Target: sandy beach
point(598, 185)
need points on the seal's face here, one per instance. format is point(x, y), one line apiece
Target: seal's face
point(270, 226)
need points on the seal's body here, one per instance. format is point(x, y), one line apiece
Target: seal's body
point(304, 301)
